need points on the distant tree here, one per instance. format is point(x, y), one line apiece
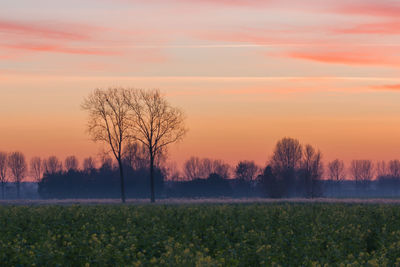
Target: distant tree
point(312, 170)
point(221, 168)
point(37, 168)
point(195, 168)
point(271, 185)
point(106, 163)
point(246, 170)
point(287, 154)
point(154, 123)
point(285, 162)
point(109, 123)
point(381, 168)
point(71, 163)
point(362, 171)
point(336, 170)
point(18, 167)
point(89, 165)
point(172, 173)
point(394, 168)
point(135, 155)
point(191, 168)
point(3, 171)
point(52, 165)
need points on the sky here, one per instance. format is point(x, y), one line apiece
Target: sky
point(246, 73)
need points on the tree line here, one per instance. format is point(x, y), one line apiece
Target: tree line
point(294, 170)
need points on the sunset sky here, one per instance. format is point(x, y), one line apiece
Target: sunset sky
point(246, 73)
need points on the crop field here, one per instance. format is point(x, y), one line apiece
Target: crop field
point(201, 234)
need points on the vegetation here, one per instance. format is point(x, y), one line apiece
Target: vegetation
point(202, 235)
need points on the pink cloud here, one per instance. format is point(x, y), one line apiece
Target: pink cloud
point(394, 87)
point(79, 32)
point(372, 28)
point(348, 57)
point(58, 49)
point(376, 8)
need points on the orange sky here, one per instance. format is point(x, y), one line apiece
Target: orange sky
point(247, 73)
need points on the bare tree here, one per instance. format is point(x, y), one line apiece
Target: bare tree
point(108, 123)
point(89, 164)
point(154, 123)
point(246, 170)
point(172, 172)
point(191, 168)
point(135, 155)
point(287, 154)
point(3, 171)
point(362, 171)
point(394, 168)
point(52, 165)
point(37, 168)
point(71, 163)
point(221, 168)
point(336, 170)
point(312, 170)
point(18, 167)
point(106, 163)
point(381, 168)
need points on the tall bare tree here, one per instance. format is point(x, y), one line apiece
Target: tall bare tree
point(52, 165)
point(108, 123)
point(336, 170)
point(362, 171)
point(37, 168)
point(71, 163)
point(18, 168)
point(154, 123)
point(3, 171)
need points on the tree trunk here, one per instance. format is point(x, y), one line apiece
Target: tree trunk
point(152, 197)
point(121, 176)
point(2, 190)
point(18, 189)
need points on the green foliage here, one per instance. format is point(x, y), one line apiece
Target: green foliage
point(200, 235)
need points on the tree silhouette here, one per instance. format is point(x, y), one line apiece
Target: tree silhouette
point(52, 165)
point(246, 170)
point(37, 168)
point(108, 123)
point(154, 123)
point(312, 170)
point(3, 171)
point(336, 170)
point(17, 165)
point(287, 154)
point(394, 168)
point(71, 163)
point(362, 171)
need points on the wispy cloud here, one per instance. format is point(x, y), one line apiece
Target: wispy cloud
point(37, 29)
point(59, 49)
point(392, 27)
point(370, 8)
point(348, 57)
point(394, 87)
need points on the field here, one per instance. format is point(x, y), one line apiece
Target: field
point(200, 234)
